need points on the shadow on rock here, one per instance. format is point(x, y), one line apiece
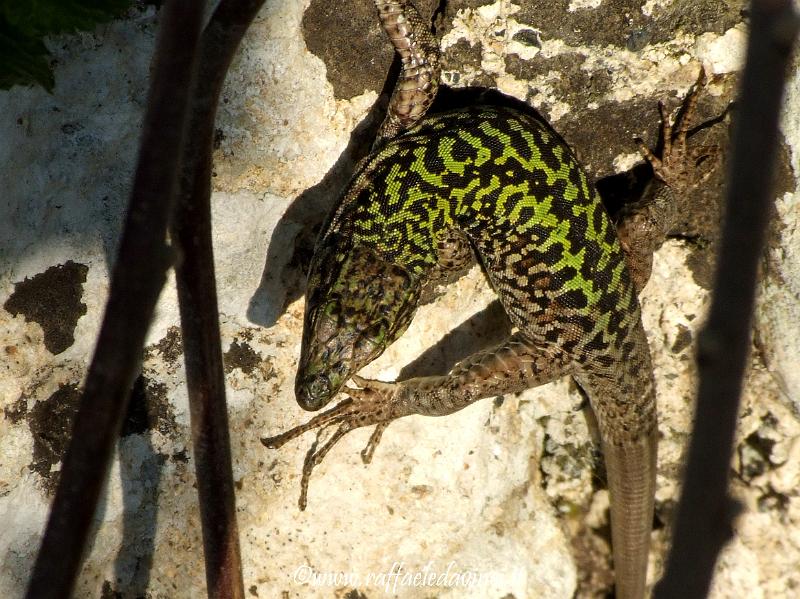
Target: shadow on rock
point(487, 328)
point(292, 243)
point(141, 468)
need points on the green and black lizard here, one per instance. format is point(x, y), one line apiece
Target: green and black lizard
point(498, 186)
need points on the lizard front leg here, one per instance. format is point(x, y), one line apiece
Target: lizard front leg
point(514, 366)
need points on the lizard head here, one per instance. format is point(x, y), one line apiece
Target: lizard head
point(356, 306)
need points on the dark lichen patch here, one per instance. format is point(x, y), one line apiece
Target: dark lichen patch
point(772, 500)
point(682, 340)
point(571, 80)
point(592, 555)
point(108, 591)
point(149, 409)
point(622, 23)
point(170, 347)
point(599, 135)
point(527, 37)
point(528, 70)
point(347, 37)
point(562, 462)
point(691, 16)
point(755, 456)
point(453, 6)
point(462, 55)
point(50, 422)
point(181, 456)
point(702, 261)
point(53, 300)
point(579, 27)
point(240, 355)
point(483, 80)
point(17, 411)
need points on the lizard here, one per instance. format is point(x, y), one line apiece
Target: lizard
point(497, 186)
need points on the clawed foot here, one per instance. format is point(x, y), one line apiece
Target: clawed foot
point(372, 402)
point(680, 167)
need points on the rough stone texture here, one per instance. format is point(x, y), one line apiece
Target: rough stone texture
point(506, 498)
point(778, 320)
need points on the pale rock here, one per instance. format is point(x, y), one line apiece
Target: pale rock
point(485, 500)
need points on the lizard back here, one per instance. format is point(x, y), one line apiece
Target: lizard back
point(516, 190)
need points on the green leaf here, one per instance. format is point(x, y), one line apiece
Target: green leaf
point(23, 60)
point(38, 18)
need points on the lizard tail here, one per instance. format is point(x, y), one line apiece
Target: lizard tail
point(631, 482)
point(623, 399)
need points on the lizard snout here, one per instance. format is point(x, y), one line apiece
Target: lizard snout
point(313, 392)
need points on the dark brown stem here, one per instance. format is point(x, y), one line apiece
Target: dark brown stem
point(706, 512)
point(198, 306)
point(138, 277)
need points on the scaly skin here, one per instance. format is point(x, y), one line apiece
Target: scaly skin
point(499, 185)
point(416, 88)
point(520, 199)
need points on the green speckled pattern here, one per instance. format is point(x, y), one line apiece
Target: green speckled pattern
point(501, 186)
point(517, 193)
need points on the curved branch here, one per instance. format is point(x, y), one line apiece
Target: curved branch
point(138, 277)
point(191, 233)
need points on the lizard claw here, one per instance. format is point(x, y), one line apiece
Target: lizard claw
point(679, 166)
point(372, 444)
point(369, 403)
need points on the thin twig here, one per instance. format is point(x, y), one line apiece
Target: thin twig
point(706, 512)
point(138, 277)
point(198, 306)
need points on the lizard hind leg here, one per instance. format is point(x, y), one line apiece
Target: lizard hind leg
point(643, 226)
point(418, 83)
